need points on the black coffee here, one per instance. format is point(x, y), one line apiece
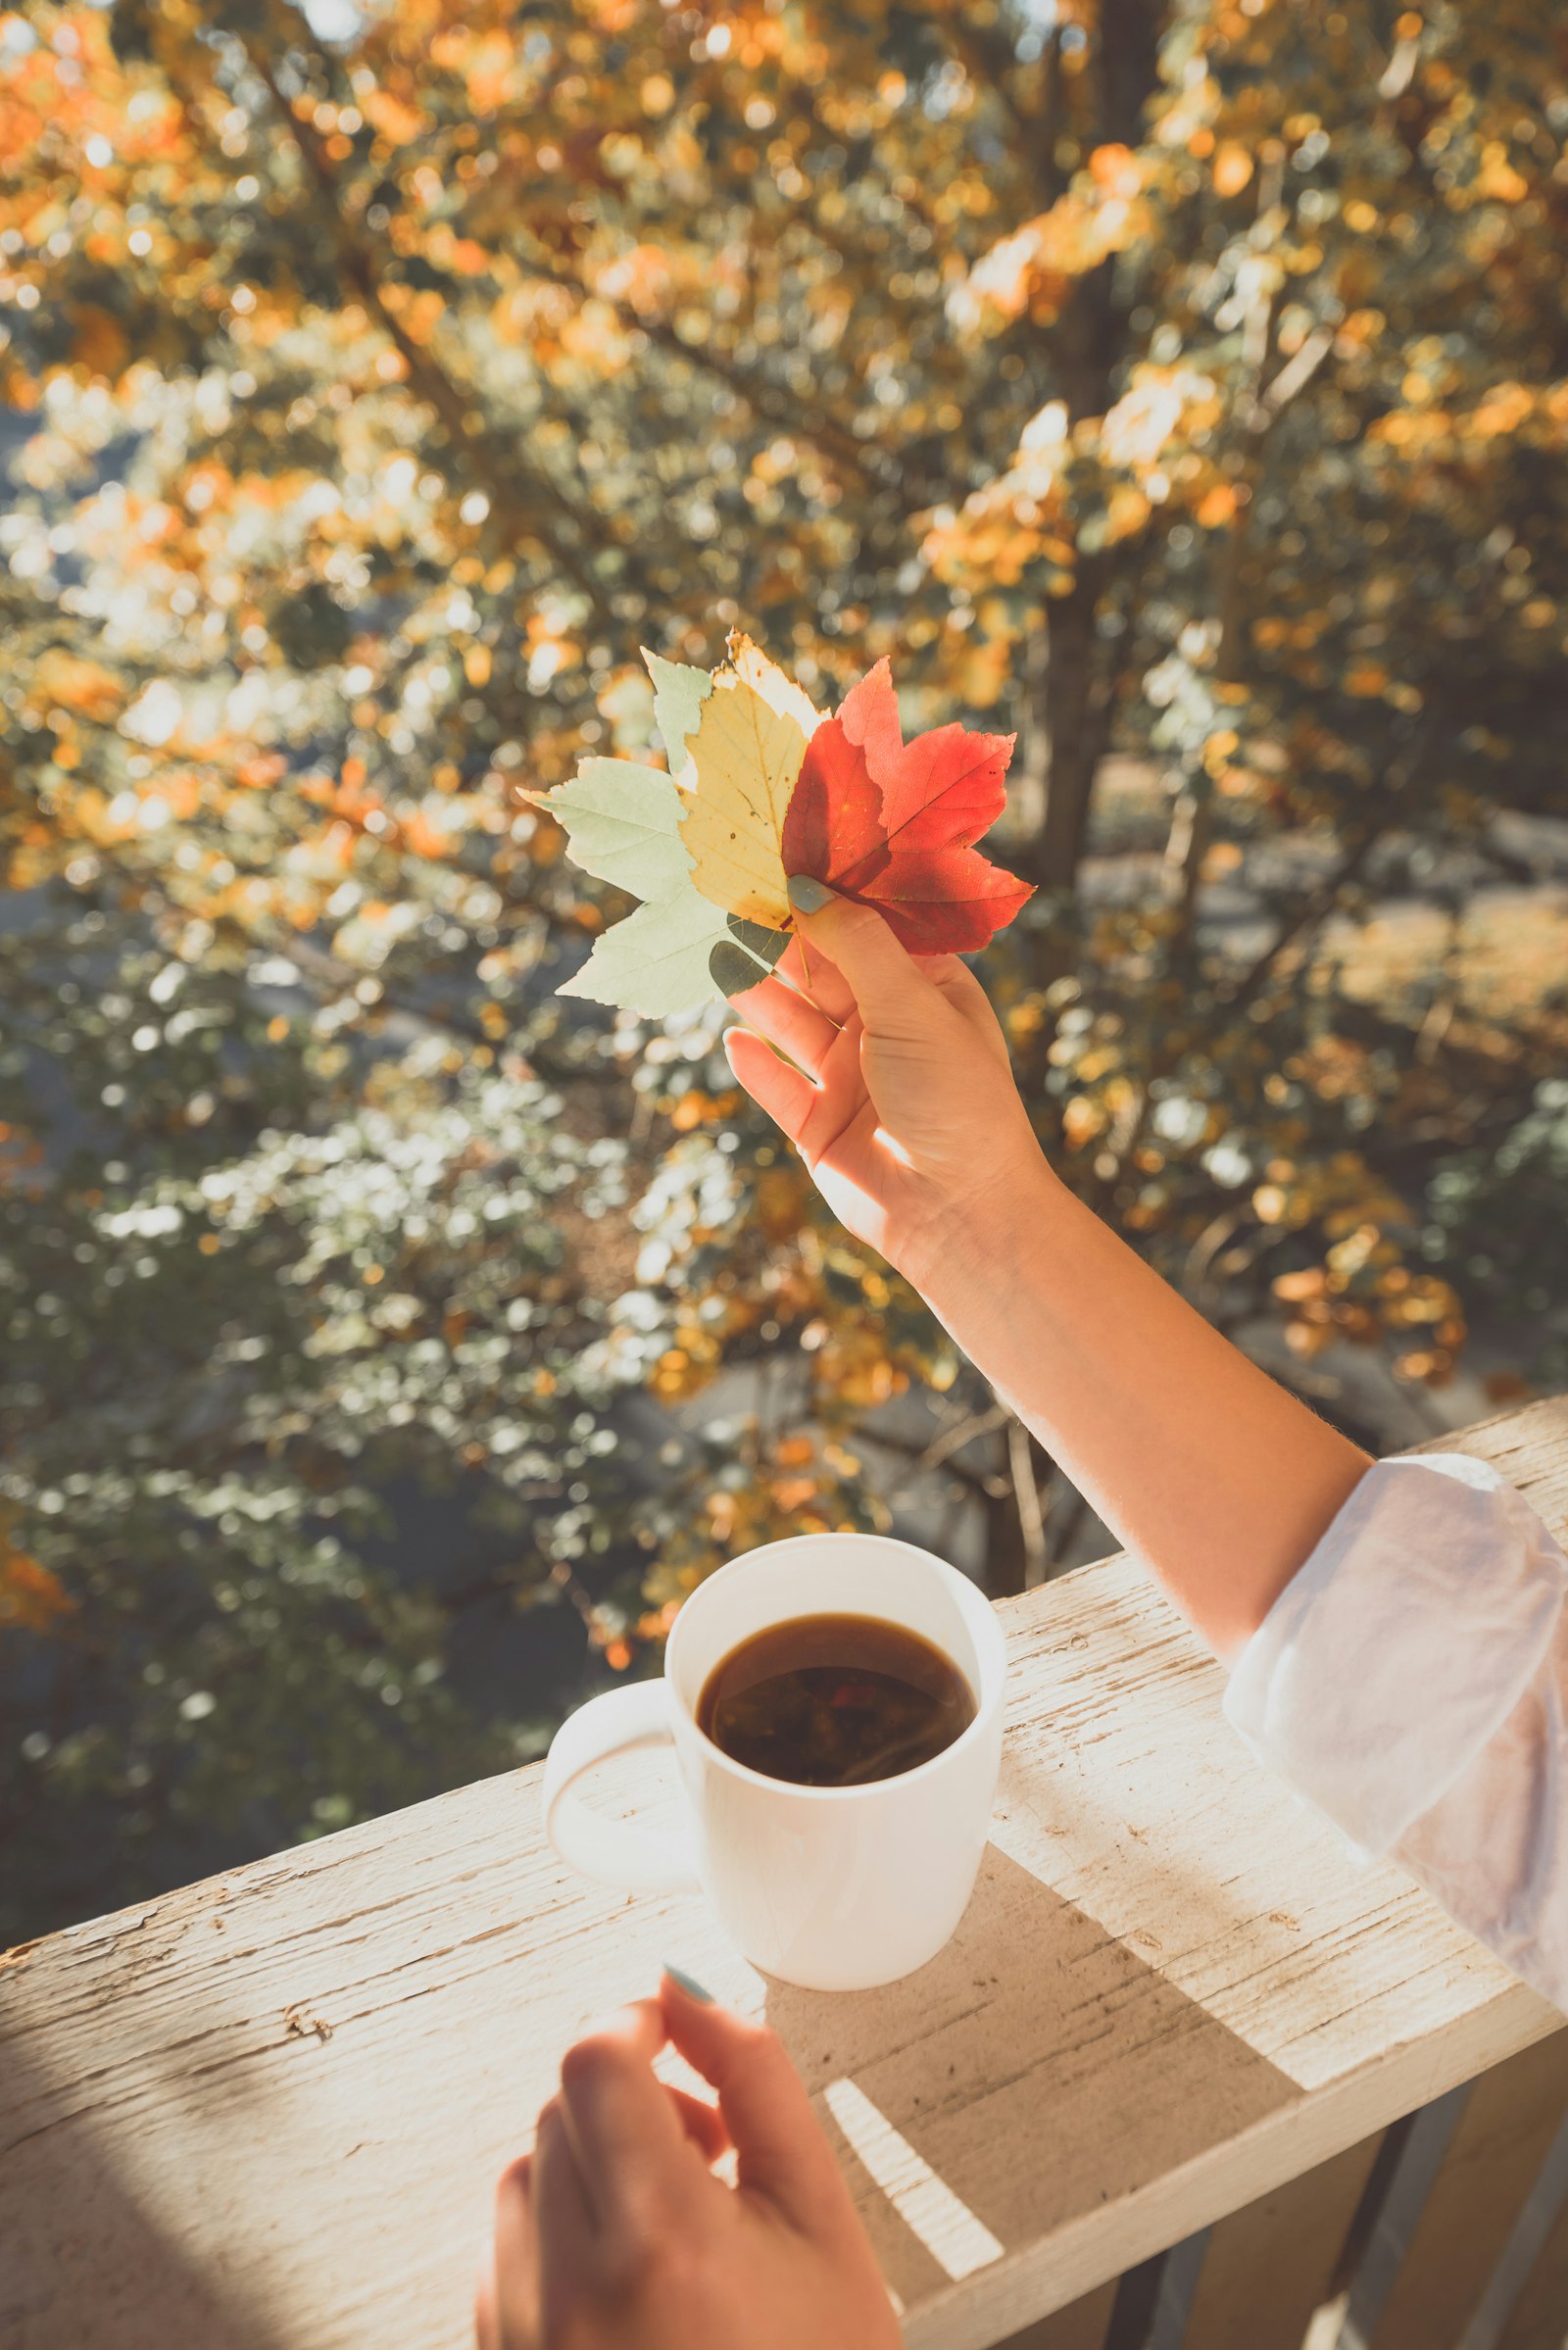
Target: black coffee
point(835, 1701)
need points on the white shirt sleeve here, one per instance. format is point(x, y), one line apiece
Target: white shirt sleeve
point(1412, 1683)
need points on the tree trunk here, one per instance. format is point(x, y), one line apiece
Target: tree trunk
point(1074, 706)
point(1006, 1567)
point(1127, 56)
point(1088, 343)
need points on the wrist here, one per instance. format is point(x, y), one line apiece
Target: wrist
point(979, 1241)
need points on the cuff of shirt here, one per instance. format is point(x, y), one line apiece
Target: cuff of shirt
point(1402, 1646)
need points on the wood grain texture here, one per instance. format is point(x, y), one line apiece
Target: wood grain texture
point(1271, 2264)
point(1501, 2139)
point(266, 2112)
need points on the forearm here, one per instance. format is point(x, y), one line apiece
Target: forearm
point(1220, 1481)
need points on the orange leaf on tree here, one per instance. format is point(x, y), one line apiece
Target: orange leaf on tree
point(32, 1598)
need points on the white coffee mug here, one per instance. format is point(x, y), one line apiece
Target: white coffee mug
point(836, 1888)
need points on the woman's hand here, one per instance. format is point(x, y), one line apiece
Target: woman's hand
point(902, 1103)
point(614, 2234)
point(901, 1098)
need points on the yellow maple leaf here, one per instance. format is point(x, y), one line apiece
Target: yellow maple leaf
point(750, 663)
point(746, 751)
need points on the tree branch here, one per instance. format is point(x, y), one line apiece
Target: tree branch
point(988, 60)
point(1026, 1494)
point(532, 505)
point(953, 1440)
point(1311, 913)
point(769, 399)
point(985, 1485)
point(1298, 371)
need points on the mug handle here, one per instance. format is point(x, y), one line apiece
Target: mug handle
point(618, 1852)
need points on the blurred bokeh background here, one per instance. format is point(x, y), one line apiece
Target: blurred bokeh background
point(386, 1344)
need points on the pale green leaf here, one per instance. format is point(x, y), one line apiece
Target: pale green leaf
point(679, 693)
point(655, 961)
point(622, 824)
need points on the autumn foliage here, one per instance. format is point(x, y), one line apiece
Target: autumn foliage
point(1177, 393)
point(892, 825)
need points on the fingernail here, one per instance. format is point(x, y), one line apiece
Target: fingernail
point(807, 895)
point(688, 1983)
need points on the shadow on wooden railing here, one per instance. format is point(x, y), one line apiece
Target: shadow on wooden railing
point(1448, 2231)
point(1186, 2078)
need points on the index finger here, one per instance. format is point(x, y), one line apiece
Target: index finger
point(811, 973)
point(887, 985)
point(782, 2152)
point(630, 2146)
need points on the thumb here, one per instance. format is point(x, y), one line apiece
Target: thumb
point(888, 988)
point(780, 2149)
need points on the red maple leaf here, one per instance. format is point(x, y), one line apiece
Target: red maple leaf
point(833, 825)
point(894, 824)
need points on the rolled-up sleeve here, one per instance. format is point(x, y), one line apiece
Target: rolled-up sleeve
point(1412, 1681)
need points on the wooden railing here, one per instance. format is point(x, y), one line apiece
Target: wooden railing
point(1187, 2076)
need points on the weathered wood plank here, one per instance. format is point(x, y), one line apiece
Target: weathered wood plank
point(266, 2112)
point(1501, 2139)
point(1271, 2264)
